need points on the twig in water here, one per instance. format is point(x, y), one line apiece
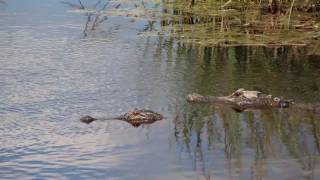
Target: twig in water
point(290, 12)
point(225, 4)
point(76, 6)
point(95, 22)
point(96, 4)
point(82, 6)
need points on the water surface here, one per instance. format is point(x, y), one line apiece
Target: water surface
point(52, 73)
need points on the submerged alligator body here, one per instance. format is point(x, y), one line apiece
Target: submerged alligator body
point(135, 117)
point(242, 99)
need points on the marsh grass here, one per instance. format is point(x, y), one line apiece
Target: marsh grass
point(215, 23)
point(234, 23)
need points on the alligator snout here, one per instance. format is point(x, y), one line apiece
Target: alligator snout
point(87, 119)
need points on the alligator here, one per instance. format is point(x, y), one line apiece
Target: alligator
point(242, 99)
point(135, 117)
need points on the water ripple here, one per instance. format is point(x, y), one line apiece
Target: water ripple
point(51, 75)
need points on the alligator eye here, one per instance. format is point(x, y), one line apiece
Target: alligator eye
point(276, 99)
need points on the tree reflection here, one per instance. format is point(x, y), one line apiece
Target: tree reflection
point(261, 137)
point(270, 134)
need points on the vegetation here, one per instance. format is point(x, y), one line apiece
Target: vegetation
point(234, 23)
point(217, 22)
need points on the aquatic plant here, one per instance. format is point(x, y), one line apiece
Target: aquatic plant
point(101, 10)
point(215, 23)
point(234, 23)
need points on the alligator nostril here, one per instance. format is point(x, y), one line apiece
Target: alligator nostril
point(284, 104)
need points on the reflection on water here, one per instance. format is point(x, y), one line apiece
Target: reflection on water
point(252, 144)
point(256, 144)
point(51, 75)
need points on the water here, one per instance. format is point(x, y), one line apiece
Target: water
point(52, 73)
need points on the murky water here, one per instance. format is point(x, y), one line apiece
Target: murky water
point(51, 74)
